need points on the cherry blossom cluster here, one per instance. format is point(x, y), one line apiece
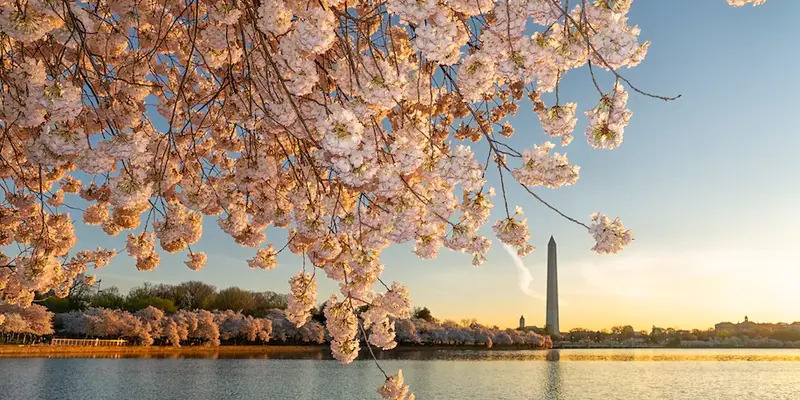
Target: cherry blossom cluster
point(558, 121)
point(265, 258)
point(739, 3)
point(539, 168)
point(197, 261)
point(343, 326)
point(350, 126)
point(607, 121)
point(514, 232)
point(395, 388)
point(610, 235)
point(45, 265)
point(302, 298)
point(142, 248)
point(383, 310)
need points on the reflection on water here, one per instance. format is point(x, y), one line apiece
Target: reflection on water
point(553, 380)
point(566, 374)
point(425, 353)
point(428, 353)
point(207, 353)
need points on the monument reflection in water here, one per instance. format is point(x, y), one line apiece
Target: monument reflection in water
point(552, 388)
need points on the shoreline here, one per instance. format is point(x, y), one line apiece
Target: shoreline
point(303, 352)
point(45, 350)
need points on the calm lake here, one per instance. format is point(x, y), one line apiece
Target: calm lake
point(446, 374)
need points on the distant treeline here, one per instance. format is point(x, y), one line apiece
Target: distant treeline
point(192, 295)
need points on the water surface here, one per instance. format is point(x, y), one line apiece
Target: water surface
point(446, 374)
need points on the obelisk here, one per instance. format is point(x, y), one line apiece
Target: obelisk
point(552, 289)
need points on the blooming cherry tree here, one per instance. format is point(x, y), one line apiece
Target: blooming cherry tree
point(351, 125)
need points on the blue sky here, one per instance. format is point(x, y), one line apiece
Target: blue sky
point(708, 183)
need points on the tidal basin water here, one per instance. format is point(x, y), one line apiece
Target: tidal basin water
point(445, 374)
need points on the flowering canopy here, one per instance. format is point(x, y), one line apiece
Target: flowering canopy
point(346, 123)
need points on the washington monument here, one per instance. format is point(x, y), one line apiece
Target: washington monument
point(552, 289)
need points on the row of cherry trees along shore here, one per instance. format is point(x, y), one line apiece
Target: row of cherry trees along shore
point(201, 327)
point(152, 326)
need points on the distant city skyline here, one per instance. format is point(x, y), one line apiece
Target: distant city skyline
point(707, 183)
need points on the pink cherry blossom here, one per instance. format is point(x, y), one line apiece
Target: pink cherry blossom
point(349, 134)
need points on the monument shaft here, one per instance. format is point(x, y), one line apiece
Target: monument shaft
point(552, 289)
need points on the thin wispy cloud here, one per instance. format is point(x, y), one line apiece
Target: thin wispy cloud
point(524, 276)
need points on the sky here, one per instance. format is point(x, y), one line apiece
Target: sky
point(708, 183)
